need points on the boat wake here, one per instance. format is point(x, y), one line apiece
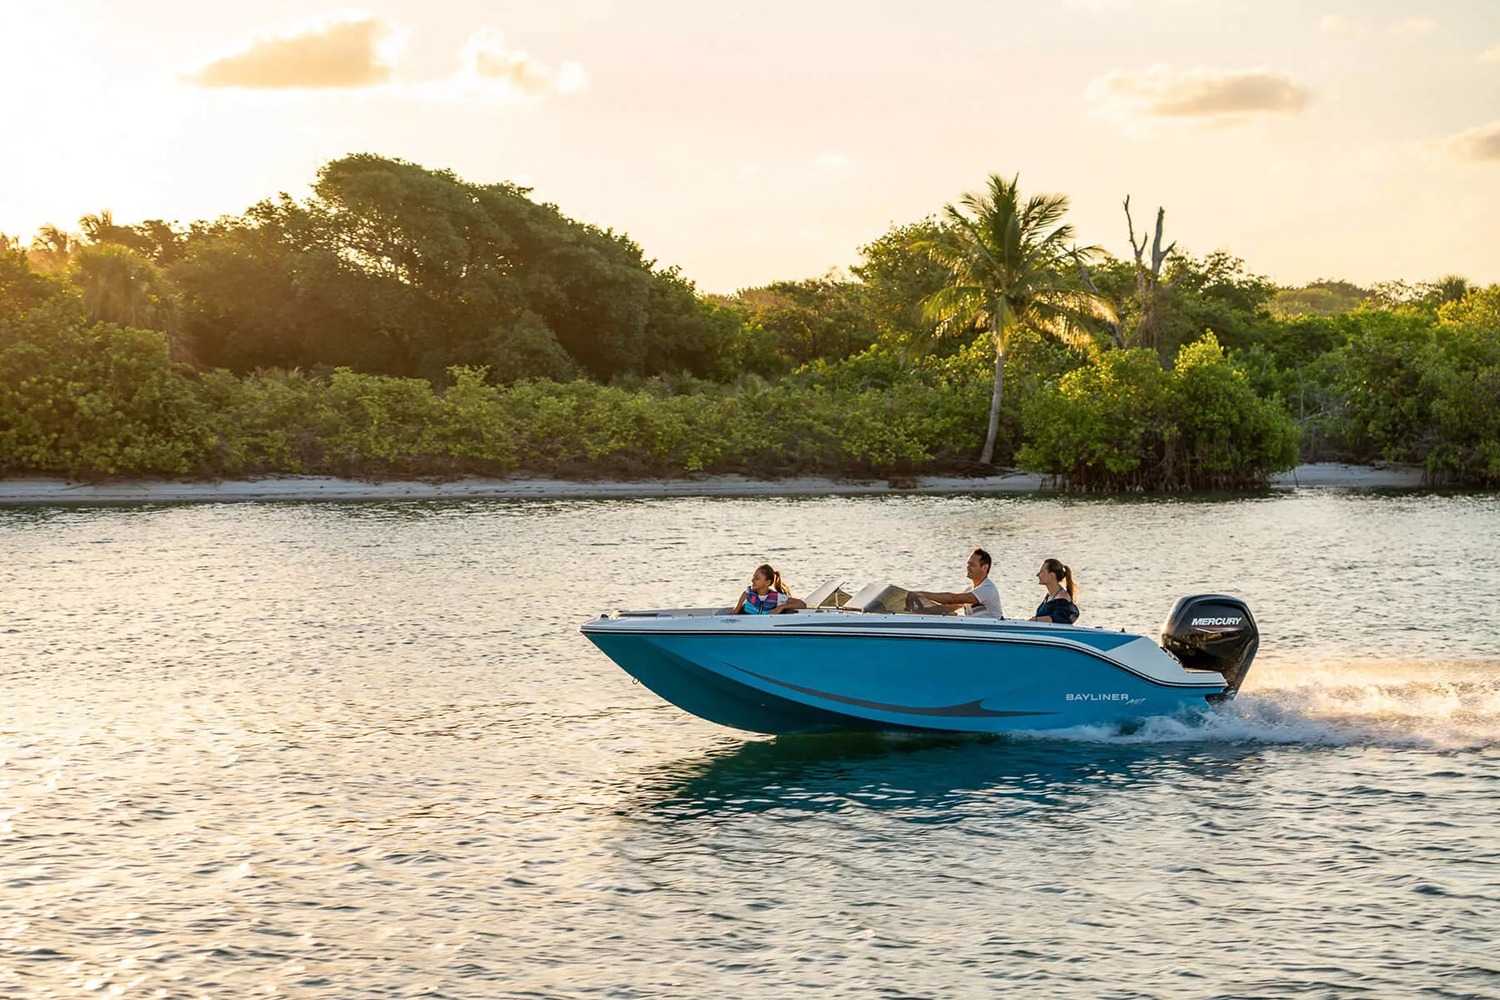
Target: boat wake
point(1440, 706)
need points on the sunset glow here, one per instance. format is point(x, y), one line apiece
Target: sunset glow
point(1357, 139)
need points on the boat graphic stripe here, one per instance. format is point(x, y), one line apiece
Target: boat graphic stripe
point(968, 710)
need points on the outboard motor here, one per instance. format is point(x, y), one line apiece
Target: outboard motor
point(1213, 632)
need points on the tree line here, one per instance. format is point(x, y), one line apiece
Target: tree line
point(401, 321)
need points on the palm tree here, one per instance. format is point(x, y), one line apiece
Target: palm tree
point(1449, 288)
point(101, 228)
point(120, 286)
point(51, 249)
point(1011, 265)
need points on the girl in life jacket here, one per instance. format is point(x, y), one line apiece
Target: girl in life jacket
point(767, 595)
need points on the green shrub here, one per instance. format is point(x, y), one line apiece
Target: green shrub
point(1461, 379)
point(1125, 423)
point(263, 423)
point(91, 400)
point(1408, 387)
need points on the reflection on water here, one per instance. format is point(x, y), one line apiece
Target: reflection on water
point(361, 750)
point(927, 779)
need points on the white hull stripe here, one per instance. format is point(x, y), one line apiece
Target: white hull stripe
point(1013, 638)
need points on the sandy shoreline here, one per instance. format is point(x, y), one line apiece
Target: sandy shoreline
point(304, 488)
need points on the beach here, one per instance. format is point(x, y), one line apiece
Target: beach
point(47, 490)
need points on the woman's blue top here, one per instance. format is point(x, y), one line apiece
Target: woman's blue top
point(1061, 610)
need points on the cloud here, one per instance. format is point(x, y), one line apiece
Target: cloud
point(1480, 144)
point(359, 53)
point(831, 163)
point(1491, 54)
point(337, 54)
point(488, 64)
point(1414, 26)
point(1198, 96)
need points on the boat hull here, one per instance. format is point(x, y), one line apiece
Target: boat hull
point(850, 672)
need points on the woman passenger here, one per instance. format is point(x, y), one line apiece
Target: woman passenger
point(767, 595)
point(1059, 606)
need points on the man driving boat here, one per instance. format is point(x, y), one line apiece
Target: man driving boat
point(981, 599)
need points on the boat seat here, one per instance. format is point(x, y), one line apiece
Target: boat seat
point(829, 594)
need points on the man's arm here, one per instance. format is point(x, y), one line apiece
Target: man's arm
point(966, 597)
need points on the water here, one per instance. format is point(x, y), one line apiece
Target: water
point(361, 751)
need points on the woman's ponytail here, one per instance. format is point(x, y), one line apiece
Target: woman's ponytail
point(1063, 574)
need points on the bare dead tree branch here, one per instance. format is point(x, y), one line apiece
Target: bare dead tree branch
point(1148, 287)
point(1130, 224)
point(1157, 253)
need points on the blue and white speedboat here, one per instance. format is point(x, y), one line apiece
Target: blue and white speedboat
point(885, 660)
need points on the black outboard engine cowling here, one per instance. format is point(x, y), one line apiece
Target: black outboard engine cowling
point(1213, 632)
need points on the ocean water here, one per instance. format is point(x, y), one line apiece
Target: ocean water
point(361, 750)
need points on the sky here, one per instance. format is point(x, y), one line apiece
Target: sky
point(1355, 139)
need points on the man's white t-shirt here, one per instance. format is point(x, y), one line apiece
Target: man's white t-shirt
point(989, 600)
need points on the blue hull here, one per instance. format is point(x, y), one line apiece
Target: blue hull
point(782, 682)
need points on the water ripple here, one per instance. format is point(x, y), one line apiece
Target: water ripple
point(360, 750)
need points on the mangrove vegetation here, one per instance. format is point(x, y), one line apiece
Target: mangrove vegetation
point(403, 322)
